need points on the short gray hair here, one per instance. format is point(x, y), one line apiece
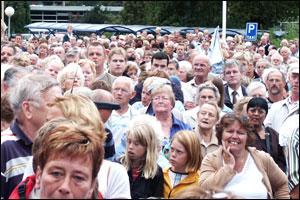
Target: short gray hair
point(254, 86)
point(10, 75)
point(30, 87)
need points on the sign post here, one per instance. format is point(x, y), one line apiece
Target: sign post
point(251, 31)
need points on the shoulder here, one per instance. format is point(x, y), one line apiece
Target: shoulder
point(259, 154)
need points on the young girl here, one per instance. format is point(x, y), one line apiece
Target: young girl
point(140, 159)
point(185, 160)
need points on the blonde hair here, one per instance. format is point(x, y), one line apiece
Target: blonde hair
point(82, 110)
point(118, 51)
point(238, 107)
point(71, 68)
point(92, 65)
point(191, 143)
point(146, 130)
point(164, 88)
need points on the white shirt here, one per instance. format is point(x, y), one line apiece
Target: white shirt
point(248, 183)
point(119, 124)
point(239, 93)
point(279, 112)
point(113, 181)
point(189, 90)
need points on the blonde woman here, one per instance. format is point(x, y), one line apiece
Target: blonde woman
point(88, 68)
point(70, 76)
point(185, 160)
point(140, 159)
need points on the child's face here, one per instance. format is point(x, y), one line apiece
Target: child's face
point(178, 157)
point(135, 149)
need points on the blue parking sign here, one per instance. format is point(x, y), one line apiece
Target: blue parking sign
point(251, 31)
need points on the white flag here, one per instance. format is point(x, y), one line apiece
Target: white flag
point(214, 53)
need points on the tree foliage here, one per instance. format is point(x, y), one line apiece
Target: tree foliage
point(21, 16)
point(209, 13)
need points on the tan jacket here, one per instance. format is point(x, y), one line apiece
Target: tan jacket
point(214, 174)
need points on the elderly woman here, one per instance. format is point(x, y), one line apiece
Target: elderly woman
point(70, 76)
point(235, 167)
point(256, 89)
point(184, 71)
point(88, 68)
point(206, 92)
point(163, 101)
point(266, 138)
point(65, 162)
point(53, 65)
point(207, 117)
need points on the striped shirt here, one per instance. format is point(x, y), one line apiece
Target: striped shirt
point(15, 156)
point(293, 170)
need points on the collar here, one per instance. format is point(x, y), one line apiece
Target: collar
point(192, 83)
point(239, 91)
point(15, 128)
point(175, 121)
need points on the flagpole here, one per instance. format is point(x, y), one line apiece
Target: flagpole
point(224, 21)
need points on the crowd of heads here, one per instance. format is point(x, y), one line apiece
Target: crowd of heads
point(65, 92)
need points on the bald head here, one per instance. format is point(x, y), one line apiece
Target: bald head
point(100, 95)
point(103, 96)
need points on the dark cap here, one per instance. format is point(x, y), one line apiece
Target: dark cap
point(107, 105)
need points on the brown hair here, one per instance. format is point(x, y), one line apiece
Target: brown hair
point(191, 143)
point(64, 138)
point(7, 113)
point(228, 120)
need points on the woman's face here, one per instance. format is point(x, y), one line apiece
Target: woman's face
point(88, 75)
point(53, 70)
point(162, 102)
point(207, 116)
point(146, 97)
point(136, 151)
point(66, 178)
point(178, 157)
point(207, 95)
point(256, 116)
point(234, 137)
point(71, 80)
point(182, 74)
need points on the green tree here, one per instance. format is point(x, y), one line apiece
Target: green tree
point(133, 12)
point(21, 16)
point(96, 16)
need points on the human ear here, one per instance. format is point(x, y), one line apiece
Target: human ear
point(38, 175)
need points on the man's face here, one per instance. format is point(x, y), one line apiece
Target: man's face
point(201, 67)
point(39, 112)
point(6, 54)
point(232, 75)
point(275, 84)
point(160, 64)
point(18, 40)
point(117, 65)
point(294, 81)
point(172, 69)
point(122, 93)
point(97, 54)
point(180, 50)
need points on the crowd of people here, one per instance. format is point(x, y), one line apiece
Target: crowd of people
point(149, 116)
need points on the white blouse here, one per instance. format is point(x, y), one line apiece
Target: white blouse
point(248, 183)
